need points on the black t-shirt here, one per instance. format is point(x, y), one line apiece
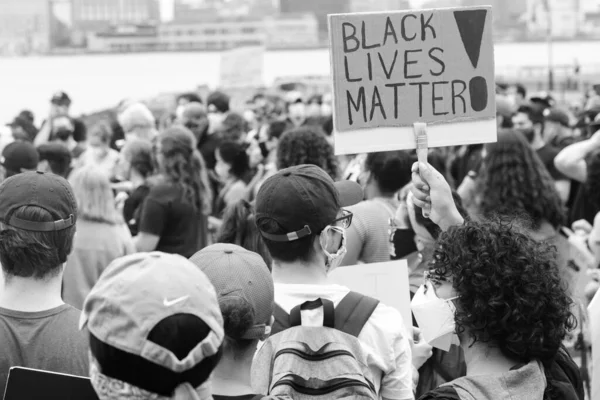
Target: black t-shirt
point(166, 213)
point(132, 207)
point(547, 154)
point(584, 206)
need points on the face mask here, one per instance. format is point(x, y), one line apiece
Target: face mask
point(215, 120)
point(435, 317)
point(297, 111)
point(249, 116)
point(529, 133)
point(63, 134)
point(333, 260)
point(179, 112)
point(313, 110)
point(404, 243)
point(222, 170)
point(263, 149)
point(97, 153)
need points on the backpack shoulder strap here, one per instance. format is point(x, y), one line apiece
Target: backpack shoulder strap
point(353, 312)
point(282, 320)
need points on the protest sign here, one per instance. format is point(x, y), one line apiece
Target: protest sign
point(594, 316)
point(34, 384)
point(242, 67)
point(393, 69)
point(386, 282)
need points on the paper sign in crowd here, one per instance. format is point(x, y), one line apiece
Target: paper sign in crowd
point(393, 69)
point(242, 67)
point(386, 282)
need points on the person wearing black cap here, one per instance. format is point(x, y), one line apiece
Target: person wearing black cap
point(22, 129)
point(60, 105)
point(19, 157)
point(301, 217)
point(37, 221)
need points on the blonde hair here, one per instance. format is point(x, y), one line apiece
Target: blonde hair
point(137, 117)
point(95, 199)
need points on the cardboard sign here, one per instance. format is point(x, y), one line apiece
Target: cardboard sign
point(242, 67)
point(34, 384)
point(393, 69)
point(386, 282)
point(594, 316)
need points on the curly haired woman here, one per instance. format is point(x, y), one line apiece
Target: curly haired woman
point(306, 145)
point(499, 293)
point(174, 214)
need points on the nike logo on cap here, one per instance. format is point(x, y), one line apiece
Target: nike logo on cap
point(170, 303)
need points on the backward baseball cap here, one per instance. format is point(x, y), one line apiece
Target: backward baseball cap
point(137, 292)
point(302, 200)
point(239, 274)
point(48, 191)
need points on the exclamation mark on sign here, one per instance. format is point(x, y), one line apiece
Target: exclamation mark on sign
point(471, 24)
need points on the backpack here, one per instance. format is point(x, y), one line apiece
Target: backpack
point(326, 362)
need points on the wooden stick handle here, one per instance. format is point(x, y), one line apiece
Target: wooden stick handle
point(420, 131)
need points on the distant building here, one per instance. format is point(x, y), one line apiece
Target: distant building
point(300, 31)
point(292, 31)
point(206, 10)
point(99, 15)
point(319, 8)
point(24, 26)
point(378, 5)
point(565, 19)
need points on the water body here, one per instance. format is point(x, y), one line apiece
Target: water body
point(98, 81)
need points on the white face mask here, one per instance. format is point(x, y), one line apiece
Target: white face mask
point(435, 317)
point(326, 110)
point(215, 122)
point(333, 260)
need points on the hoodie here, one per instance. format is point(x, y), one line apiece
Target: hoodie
point(525, 382)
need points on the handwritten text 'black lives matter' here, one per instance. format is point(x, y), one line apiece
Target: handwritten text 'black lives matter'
point(418, 69)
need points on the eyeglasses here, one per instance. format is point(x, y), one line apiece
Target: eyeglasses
point(344, 221)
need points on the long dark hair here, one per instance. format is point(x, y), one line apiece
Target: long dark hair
point(513, 181)
point(184, 166)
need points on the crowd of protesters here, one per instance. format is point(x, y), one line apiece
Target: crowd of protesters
point(187, 256)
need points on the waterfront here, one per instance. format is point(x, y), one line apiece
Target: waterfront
point(99, 81)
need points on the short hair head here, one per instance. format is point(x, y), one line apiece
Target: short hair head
point(391, 169)
point(307, 145)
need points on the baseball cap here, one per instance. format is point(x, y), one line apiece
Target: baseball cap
point(194, 111)
point(18, 121)
point(18, 156)
point(61, 98)
point(48, 191)
point(218, 101)
point(237, 273)
point(557, 115)
point(303, 200)
point(137, 292)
